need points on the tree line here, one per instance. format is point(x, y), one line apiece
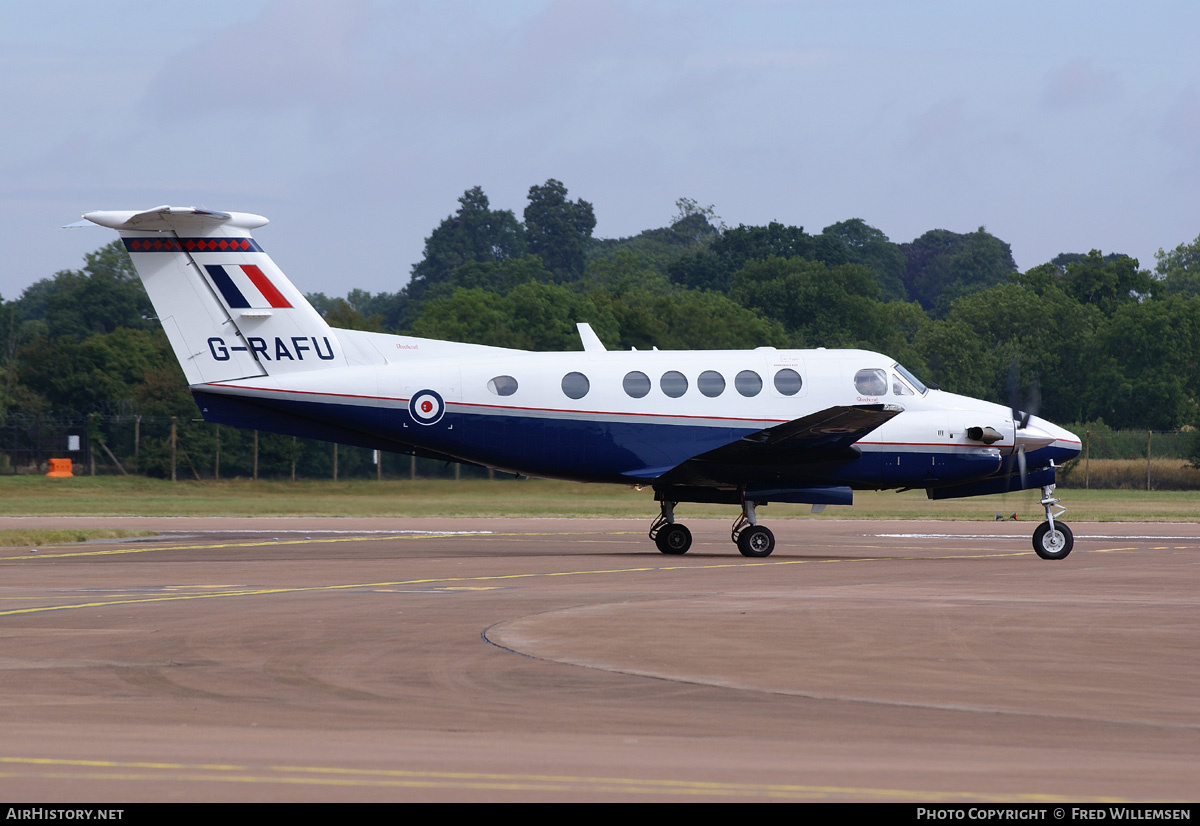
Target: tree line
point(1096, 337)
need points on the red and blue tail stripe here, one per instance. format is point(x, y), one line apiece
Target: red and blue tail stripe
point(245, 286)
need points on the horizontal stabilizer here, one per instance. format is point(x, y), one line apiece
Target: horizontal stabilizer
point(173, 218)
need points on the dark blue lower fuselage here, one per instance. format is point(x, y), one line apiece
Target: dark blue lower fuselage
point(597, 449)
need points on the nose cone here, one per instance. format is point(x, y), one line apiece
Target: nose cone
point(1053, 442)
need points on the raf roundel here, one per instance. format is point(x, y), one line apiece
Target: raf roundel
point(426, 407)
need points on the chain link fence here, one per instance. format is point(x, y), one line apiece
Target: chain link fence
point(1135, 460)
point(179, 447)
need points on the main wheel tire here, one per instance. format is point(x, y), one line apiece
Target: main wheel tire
point(674, 539)
point(756, 541)
point(1053, 544)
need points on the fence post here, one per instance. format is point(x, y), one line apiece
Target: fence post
point(293, 458)
point(1087, 460)
point(335, 461)
point(173, 478)
point(217, 458)
point(255, 470)
point(1148, 432)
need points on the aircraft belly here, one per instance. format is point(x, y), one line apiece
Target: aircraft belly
point(583, 448)
point(922, 468)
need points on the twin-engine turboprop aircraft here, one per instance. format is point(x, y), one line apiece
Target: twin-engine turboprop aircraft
point(737, 427)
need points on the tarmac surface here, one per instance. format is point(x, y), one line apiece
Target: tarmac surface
point(567, 660)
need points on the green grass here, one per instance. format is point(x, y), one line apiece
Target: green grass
point(137, 496)
point(30, 538)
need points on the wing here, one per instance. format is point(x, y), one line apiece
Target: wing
point(826, 436)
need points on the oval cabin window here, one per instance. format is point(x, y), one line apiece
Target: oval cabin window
point(871, 382)
point(576, 385)
point(503, 385)
point(787, 382)
point(748, 383)
point(636, 384)
point(711, 383)
point(673, 383)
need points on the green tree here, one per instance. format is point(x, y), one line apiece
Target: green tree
point(820, 306)
point(1047, 336)
point(868, 246)
point(534, 316)
point(105, 295)
point(475, 232)
point(1142, 366)
point(558, 230)
point(943, 266)
point(1178, 271)
point(957, 359)
point(682, 319)
point(623, 271)
point(714, 268)
point(1106, 282)
point(501, 276)
point(694, 225)
point(694, 228)
point(97, 374)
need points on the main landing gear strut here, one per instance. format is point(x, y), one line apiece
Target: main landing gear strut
point(670, 537)
point(752, 539)
point(1052, 540)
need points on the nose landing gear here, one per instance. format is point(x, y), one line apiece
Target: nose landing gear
point(1052, 540)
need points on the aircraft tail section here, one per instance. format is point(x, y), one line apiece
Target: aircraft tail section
point(227, 310)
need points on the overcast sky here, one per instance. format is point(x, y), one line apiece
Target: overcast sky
point(355, 126)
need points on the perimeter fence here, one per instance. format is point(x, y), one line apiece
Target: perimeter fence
point(183, 447)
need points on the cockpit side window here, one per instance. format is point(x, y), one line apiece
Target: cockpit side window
point(911, 379)
point(871, 381)
point(899, 387)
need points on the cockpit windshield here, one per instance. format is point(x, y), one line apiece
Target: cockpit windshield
point(913, 380)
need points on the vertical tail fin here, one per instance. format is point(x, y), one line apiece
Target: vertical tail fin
point(228, 311)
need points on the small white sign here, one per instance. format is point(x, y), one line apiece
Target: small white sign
point(72, 443)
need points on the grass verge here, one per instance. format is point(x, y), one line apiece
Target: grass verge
point(21, 538)
point(136, 496)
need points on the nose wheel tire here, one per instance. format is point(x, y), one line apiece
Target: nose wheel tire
point(1053, 543)
point(673, 539)
point(756, 541)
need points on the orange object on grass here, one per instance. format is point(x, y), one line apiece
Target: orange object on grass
point(60, 467)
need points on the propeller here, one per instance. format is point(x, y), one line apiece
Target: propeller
point(1033, 437)
point(1022, 413)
